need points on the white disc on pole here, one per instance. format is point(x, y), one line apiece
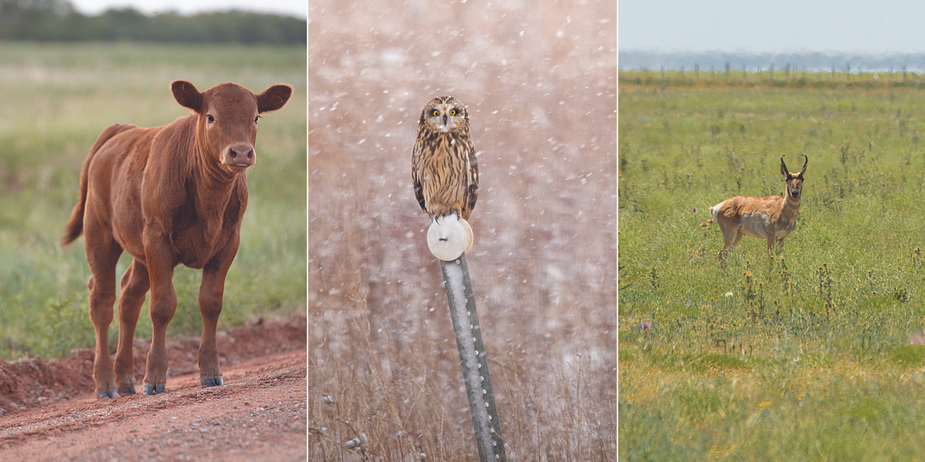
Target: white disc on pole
point(449, 237)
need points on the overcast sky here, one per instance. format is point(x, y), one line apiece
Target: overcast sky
point(884, 26)
point(298, 8)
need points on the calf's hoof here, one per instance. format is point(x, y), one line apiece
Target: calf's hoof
point(105, 394)
point(211, 381)
point(126, 390)
point(153, 389)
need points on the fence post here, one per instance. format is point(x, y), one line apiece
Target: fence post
point(472, 357)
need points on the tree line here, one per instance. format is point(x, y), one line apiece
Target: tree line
point(57, 20)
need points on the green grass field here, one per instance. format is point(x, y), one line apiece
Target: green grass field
point(55, 99)
point(814, 352)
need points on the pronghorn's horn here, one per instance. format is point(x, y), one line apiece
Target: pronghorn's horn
point(804, 165)
point(783, 167)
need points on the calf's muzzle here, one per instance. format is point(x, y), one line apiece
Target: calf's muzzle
point(241, 155)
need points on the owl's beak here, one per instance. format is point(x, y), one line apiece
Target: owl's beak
point(444, 120)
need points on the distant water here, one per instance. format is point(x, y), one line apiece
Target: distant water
point(810, 61)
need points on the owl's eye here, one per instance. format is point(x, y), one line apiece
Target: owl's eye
point(435, 113)
point(452, 112)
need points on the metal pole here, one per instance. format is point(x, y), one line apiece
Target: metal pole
point(473, 360)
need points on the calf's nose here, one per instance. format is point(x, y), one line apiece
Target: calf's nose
point(241, 156)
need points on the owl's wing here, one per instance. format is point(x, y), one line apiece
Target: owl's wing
point(473, 179)
point(416, 172)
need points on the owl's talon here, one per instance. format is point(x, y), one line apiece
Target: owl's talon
point(449, 239)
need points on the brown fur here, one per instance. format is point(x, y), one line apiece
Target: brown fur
point(166, 195)
point(772, 218)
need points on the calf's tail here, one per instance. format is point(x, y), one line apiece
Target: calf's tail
point(75, 225)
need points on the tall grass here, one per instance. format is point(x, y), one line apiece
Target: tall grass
point(810, 353)
point(55, 99)
point(382, 357)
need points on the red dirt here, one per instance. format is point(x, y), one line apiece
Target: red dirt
point(48, 410)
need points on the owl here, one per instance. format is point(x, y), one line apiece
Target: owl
point(444, 169)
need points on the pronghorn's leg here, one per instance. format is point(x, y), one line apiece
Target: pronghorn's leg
point(735, 240)
point(738, 238)
point(771, 240)
point(731, 237)
point(771, 248)
point(723, 251)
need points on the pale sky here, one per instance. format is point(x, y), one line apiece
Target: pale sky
point(883, 26)
point(297, 8)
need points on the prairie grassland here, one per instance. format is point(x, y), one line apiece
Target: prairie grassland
point(539, 83)
point(811, 353)
point(55, 99)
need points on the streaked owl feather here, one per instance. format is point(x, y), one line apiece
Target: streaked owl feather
point(444, 166)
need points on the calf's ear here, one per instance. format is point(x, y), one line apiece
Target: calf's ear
point(186, 94)
point(273, 98)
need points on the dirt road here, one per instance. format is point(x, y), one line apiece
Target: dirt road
point(48, 411)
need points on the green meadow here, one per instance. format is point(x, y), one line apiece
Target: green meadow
point(55, 99)
point(813, 352)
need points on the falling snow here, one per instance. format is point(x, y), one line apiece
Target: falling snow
point(540, 84)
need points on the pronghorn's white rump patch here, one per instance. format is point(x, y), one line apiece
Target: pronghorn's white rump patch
point(716, 208)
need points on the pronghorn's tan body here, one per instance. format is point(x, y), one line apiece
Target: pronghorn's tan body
point(772, 218)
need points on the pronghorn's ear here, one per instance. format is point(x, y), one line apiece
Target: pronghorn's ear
point(804, 165)
point(783, 168)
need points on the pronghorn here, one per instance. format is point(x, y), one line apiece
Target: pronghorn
point(772, 217)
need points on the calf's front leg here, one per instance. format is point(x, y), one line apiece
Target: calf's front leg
point(162, 308)
point(211, 292)
point(210, 305)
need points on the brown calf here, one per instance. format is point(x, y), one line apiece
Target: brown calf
point(166, 195)
point(772, 217)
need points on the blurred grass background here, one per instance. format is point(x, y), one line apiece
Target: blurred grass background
point(813, 353)
point(55, 99)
